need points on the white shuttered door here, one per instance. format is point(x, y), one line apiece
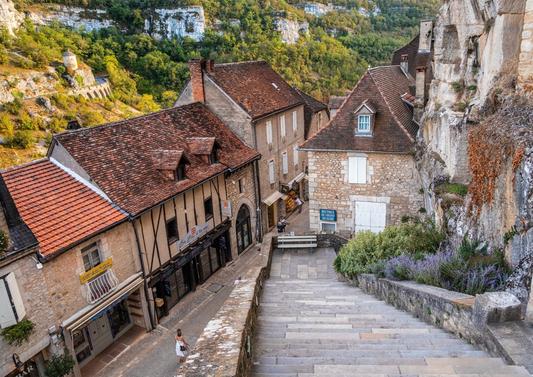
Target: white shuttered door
point(370, 216)
point(357, 170)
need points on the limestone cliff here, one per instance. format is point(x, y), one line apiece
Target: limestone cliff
point(477, 125)
point(10, 18)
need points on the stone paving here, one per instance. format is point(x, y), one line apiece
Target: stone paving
point(312, 325)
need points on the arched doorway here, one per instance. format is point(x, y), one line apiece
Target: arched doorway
point(243, 228)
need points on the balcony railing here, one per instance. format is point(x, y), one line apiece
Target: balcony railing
point(100, 286)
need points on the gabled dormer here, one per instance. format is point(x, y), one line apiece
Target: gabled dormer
point(171, 163)
point(364, 119)
point(205, 147)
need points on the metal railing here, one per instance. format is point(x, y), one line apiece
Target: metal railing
point(100, 286)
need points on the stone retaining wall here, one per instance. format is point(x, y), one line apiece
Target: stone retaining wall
point(464, 315)
point(225, 347)
point(333, 241)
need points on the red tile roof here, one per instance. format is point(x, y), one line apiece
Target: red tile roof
point(255, 86)
point(201, 145)
point(118, 156)
point(394, 130)
point(58, 209)
point(166, 159)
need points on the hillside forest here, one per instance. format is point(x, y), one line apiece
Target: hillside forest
point(147, 74)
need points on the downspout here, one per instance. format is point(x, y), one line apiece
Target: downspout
point(257, 192)
point(145, 283)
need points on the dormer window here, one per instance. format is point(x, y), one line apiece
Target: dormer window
point(363, 124)
point(180, 171)
point(170, 163)
point(206, 148)
point(213, 157)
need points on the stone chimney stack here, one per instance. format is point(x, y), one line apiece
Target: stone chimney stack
point(422, 61)
point(426, 36)
point(196, 69)
point(70, 62)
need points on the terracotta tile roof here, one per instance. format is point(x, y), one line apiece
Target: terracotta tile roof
point(411, 50)
point(201, 145)
point(58, 209)
point(335, 102)
point(312, 103)
point(117, 156)
point(394, 130)
point(166, 159)
point(255, 86)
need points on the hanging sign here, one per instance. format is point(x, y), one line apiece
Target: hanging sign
point(226, 208)
point(195, 233)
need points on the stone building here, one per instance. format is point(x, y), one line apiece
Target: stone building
point(187, 184)
point(362, 173)
point(268, 115)
point(316, 114)
point(83, 280)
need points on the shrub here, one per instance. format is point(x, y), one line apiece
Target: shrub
point(59, 365)
point(458, 87)
point(4, 241)
point(14, 106)
point(6, 124)
point(17, 334)
point(21, 139)
point(452, 188)
point(357, 254)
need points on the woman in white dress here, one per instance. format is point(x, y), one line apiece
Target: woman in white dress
point(181, 347)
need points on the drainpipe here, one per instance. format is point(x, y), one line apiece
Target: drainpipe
point(145, 283)
point(257, 196)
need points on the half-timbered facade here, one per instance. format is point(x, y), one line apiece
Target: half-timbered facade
point(188, 185)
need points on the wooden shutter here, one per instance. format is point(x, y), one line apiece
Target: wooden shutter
point(7, 315)
point(361, 169)
point(294, 121)
point(269, 132)
point(271, 172)
point(282, 125)
point(285, 161)
point(357, 170)
point(15, 296)
point(352, 169)
point(295, 155)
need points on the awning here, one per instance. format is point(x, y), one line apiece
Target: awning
point(85, 315)
point(273, 198)
point(300, 177)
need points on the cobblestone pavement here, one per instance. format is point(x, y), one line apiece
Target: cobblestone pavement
point(153, 354)
point(312, 325)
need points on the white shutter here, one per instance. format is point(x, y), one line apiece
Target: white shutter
point(357, 169)
point(295, 155)
point(378, 217)
point(362, 216)
point(294, 121)
point(15, 296)
point(282, 125)
point(370, 216)
point(271, 172)
point(285, 162)
point(269, 132)
point(7, 316)
point(361, 170)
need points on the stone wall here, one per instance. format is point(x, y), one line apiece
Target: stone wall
point(225, 347)
point(392, 179)
point(464, 315)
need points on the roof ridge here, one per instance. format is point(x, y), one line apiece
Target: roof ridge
point(241, 62)
point(389, 106)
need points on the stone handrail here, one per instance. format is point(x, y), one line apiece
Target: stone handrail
point(225, 347)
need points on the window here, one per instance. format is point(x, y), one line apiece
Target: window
point(213, 157)
point(285, 162)
point(363, 124)
point(328, 227)
point(271, 172)
point(208, 208)
point(295, 155)
point(282, 127)
point(91, 256)
point(12, 308)
point(357, 170)
point(180, 172)
point(319, 120)
point(171, 227)
point(241, 185)
point(269, 132)
point(295, 121)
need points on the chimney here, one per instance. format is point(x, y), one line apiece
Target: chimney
point(196, 69)
point(426, 36)
point(404, 63)
point(210, 65)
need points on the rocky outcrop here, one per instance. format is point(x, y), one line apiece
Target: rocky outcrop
point(477, 128)
point(290, 29)
point(73, 17)
point(10, 18)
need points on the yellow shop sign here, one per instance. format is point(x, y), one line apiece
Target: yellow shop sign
point(95, 271)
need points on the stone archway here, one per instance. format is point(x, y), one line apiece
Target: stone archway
point(243, 228)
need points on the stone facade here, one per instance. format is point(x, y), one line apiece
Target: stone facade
point(391, 179)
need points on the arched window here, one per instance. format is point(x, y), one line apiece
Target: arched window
point(243, 229)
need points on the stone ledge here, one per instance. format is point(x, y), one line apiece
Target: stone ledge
point(224, 349)
point(466, 316)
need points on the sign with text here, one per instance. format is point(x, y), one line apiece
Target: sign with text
point(96, 271)
point(328, 215)
point(195, 233)
point(226, 208)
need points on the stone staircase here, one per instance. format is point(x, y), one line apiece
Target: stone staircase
point(311, 325)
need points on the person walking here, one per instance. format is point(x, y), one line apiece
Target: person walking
point(181, 347)
point(299, 204)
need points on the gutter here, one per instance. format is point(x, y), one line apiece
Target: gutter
point(350, 151)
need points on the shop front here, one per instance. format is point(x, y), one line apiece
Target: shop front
point(198, 261)
point(97, 326)
point(293, 190)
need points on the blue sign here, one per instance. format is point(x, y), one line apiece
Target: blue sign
point(328, 215)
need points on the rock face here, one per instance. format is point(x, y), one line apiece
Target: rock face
point(477, 125)
point(290, 29)
point(160, 23)
point(10, 18)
